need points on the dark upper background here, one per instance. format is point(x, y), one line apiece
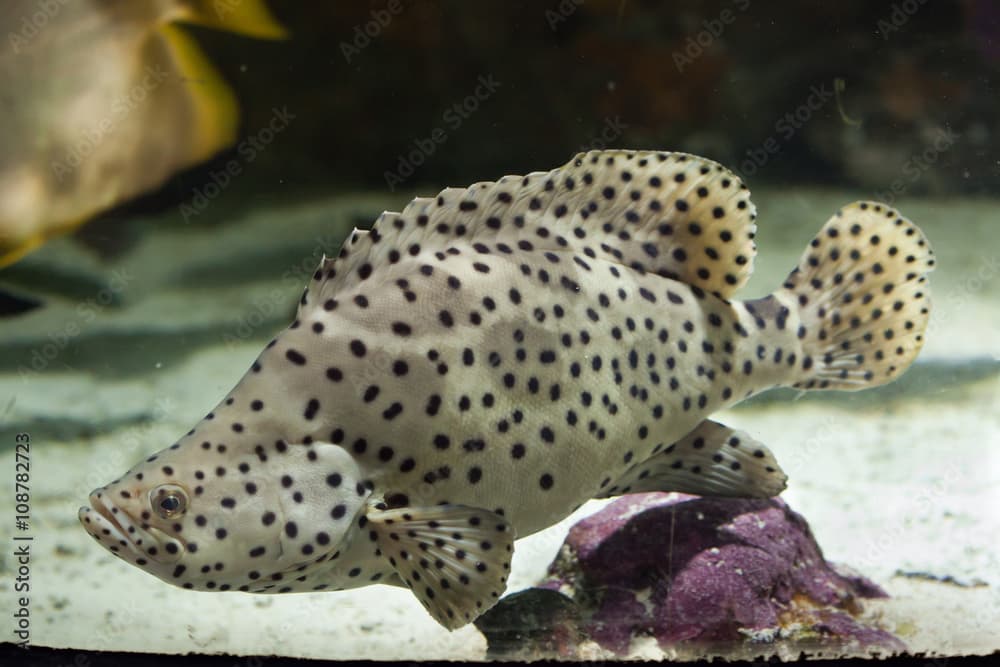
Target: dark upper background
point(912, 74)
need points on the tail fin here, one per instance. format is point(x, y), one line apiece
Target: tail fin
point(863, 298)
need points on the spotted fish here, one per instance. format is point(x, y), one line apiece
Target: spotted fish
point(476, 367)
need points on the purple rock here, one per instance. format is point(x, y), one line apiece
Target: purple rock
point(711, 597)
point(708, 570)
point(617, 618)
point(841, 626)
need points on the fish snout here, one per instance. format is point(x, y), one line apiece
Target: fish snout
point(101, 522)
point(123, 535)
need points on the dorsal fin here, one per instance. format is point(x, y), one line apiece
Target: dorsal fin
point(678, 215)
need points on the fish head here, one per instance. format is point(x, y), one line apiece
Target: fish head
point(205, 515)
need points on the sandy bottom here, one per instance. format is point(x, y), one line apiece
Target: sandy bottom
point(901, 484)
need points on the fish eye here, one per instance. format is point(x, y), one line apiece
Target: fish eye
point(169, 501)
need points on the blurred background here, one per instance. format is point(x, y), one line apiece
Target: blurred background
point(315, 99)
point(713, 78)
point(886, 98)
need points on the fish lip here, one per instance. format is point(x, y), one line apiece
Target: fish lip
point(102, 508)
point(107, 526)
point(125, 528)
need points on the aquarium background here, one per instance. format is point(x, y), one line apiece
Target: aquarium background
point(117, 339)
point(716, 79)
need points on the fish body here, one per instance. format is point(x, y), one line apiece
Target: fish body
point(104, 102)
point(476, 367)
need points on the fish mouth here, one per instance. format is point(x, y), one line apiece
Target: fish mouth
point(125, 537)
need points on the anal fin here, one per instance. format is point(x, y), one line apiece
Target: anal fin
point(711, 460)
point(455, 559)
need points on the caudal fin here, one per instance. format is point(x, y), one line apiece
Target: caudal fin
point(863, 297)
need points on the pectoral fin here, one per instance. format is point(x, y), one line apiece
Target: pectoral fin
point(711, 460)
point(454, 558)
